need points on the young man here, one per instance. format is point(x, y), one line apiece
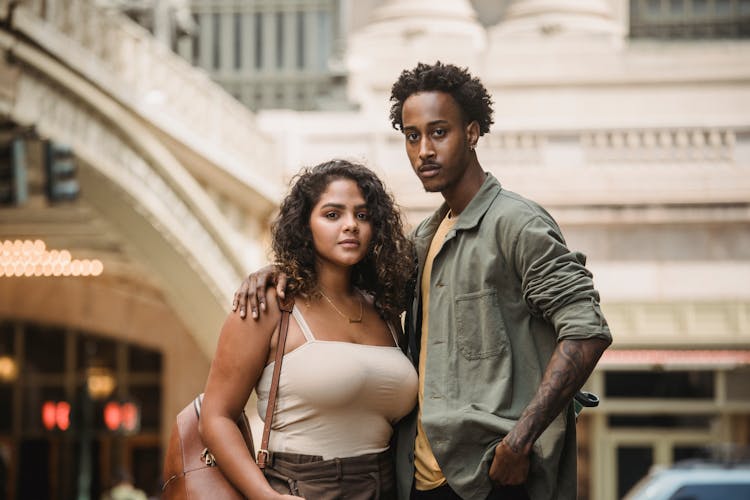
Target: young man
point(505, 325)
point(505, 322)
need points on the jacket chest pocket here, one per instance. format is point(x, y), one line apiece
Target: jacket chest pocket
point(480, 329)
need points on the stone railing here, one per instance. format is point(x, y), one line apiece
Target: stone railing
point(660, 145)
point(125, 60)
point(616, 146)
point(626, 166)
point(523, 148)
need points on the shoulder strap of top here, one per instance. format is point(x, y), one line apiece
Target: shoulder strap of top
point(302, 324)
point(393, 332)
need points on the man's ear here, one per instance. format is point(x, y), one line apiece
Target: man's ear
point(472, 133)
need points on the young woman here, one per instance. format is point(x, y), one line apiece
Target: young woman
point(344, 381)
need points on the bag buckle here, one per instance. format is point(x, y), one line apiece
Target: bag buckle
point(263, 456)
point(208, 458)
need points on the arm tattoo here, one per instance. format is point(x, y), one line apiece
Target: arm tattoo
point(568, 368)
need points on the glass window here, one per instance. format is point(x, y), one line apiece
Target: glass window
point(146, 466)
point(98, 351)
point(660, 385)
point(258, 40)
point(34, 469)
point(34, 399)
point(737, 387)
point(279, 40)
point(300, 39)
point(149, 399)
point(216, 40)
point(633, 463)
point(680, 453)
point(723, 7)
point(324, 39)
point(45, 348)
point(196, 46)
point(7, 338)
point(699, 7)
point(6, 403)
point(144, 360)
point(690, 19)
point(48, 380)
point(663, 421)
point(237, 41)
point(653, 6)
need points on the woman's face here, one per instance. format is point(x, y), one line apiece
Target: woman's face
point(340, 224)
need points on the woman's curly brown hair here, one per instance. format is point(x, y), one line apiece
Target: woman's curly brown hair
point(468, 91)
point(388, 265)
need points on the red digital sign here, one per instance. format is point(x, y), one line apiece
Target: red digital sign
point(56, 415)
point(122, 416)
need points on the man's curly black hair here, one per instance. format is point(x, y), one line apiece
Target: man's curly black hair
point(468, 91)
point(389, 264)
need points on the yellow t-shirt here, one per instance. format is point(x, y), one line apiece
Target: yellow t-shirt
point(427, 473)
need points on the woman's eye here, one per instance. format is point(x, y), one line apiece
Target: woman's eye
point(363, 216)
point(332, 215)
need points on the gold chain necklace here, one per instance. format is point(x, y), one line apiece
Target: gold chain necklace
point(351, 320)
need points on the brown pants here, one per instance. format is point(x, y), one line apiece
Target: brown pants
point(367, 477)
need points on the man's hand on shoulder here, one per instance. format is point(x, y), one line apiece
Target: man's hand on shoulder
point(252, 291)
point(508, 466)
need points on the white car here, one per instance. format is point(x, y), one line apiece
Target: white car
point(695, 481)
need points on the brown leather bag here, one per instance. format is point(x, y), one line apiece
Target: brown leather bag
point(190, 471)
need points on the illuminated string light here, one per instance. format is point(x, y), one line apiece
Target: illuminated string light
point(31, 258)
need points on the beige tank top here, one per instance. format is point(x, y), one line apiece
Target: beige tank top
point(337, 399)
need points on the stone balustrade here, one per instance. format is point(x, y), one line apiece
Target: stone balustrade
point(125, 60)
point(664, 145)
point(633, 146)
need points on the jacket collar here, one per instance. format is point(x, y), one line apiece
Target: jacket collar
point(472, 214)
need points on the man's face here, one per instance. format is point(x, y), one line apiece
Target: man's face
point(437, 139)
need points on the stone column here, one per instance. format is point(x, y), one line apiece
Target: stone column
point(403, 32)
point(560, 19)
point(424, 9)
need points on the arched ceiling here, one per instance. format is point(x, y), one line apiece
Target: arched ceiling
point(140, 207)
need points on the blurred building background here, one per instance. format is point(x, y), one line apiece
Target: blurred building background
point(145, 144)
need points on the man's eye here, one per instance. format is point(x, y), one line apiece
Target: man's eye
point(412, 136)
point(439, 132)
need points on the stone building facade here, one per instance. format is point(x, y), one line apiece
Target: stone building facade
point(628, 120)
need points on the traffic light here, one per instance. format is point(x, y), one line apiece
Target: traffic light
point(14, 187)
point(60, 166)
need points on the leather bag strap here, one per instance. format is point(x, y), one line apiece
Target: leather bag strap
point(286, 306)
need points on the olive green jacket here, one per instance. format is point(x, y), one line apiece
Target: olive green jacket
point(504, 290)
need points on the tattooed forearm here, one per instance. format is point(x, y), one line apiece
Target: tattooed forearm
point(570, 366)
